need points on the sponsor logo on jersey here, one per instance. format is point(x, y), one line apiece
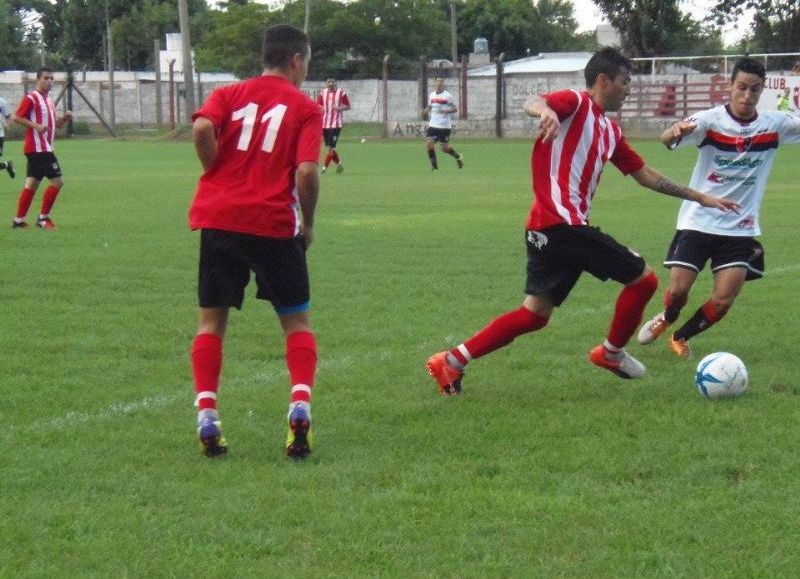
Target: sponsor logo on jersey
point(719, 178)
point(744, 162)
point(747, 223)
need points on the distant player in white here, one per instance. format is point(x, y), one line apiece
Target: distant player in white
point(5, 116)
point(440, 109)
point(737, 147)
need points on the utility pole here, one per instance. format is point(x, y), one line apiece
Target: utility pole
point(308, 16)
point(110, 38)
point(188, 73)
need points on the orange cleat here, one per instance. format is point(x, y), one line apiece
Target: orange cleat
point(449, 378)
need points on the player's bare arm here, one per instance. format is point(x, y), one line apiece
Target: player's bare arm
point(205, 141)
point(63, 120)
point(672, 135)
point(549, 125)
point(652, 179)
point(307, 182)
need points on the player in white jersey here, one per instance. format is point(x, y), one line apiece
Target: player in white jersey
point(440, 109)
point(737, 146)
point(5, 116)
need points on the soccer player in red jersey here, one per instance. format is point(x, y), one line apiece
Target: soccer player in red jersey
point(575, 141)
point(258, 142)
point(334, 101)
point(37, 113)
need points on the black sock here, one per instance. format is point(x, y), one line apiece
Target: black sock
point(432, 155)
point(696, 324)
point(453, 153)
point(671, 314)
point(3, 165)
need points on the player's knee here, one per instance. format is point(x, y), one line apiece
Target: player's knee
point(721, 305)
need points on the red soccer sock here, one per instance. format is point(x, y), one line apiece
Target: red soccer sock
point(629, 309)
point(301, 359)
point(206, 367)
point(500, 332)
point(335, 157)
point(24, 203)
point(49, 199)
point(327, 162)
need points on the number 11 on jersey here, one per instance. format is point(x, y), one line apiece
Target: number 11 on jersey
point(247, 114)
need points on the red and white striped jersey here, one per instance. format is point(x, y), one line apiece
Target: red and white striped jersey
point(38, 108)
point(566, 171)
point(329, 100)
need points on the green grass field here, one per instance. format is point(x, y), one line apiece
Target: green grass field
point(545, 467)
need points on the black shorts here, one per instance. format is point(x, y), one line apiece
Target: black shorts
point(692, 249)
point(41, 165)
point(227, 258)
point(331, 136)
point(438, 135)
point(559, 254)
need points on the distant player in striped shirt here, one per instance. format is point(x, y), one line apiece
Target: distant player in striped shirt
point(334, 101)
point(575, 141)
point(736, 149)
point(37, 113)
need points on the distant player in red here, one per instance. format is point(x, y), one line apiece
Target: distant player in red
point(575, 141)
point(37, 113)
point(258, 142)
point(334, 102)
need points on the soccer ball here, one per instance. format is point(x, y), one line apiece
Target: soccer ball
point(721, 375)
point(377, 21)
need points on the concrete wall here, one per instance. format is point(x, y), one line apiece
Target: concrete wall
point(135, 99)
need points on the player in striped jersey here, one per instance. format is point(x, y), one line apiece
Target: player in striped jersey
point(737, 146)
point(37, 113)
point(334, 101)
point(575, 141)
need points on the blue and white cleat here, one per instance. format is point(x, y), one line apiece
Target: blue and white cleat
point(299, 438)
point(209, 432)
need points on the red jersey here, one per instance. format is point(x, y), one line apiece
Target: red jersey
point(38, 108)
point(566, 171)
point(328, 100)
point(265, 128)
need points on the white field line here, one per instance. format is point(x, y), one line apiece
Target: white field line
point(155, 402)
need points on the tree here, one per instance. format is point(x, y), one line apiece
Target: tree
point(653, 27)
point(18, 41)
point(775, 24)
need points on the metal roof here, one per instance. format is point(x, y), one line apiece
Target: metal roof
point(546, 62)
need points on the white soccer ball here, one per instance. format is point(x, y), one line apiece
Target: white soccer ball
point(721, 375)
point(364, 140)
point(377, 21)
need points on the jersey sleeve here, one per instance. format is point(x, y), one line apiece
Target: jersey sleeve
point(345, 99)
point(790, 128)
point(214, 109)
point(320, 100)
point(702, 120)
point(625, 158)
point(563, 102)
point(310, 137)
point(25, 106)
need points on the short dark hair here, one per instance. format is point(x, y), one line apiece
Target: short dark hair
point(42, 70)
point(281, 43)
point(750, 66)
point(608, 61)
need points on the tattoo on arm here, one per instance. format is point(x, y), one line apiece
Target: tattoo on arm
point(668, 187)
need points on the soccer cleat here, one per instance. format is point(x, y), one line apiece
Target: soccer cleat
point(460, 161)
point(45, 223)
point(10, 169)
point(680, 347)
point(449, 378)
point(209, 432)
point(651, 330)
point(339, 168)
point(19, 225)
point(626, 367)
point(299, 438)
